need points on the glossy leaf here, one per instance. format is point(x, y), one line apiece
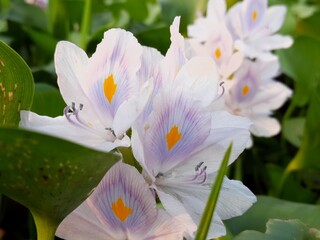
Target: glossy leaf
point(282, 229)
point(268, 207)
point(16, 85)
point(206, 218)
point(50, 176)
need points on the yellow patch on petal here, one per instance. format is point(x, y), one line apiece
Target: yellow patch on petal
point(217, 53)
point(109, 88)
point(254, 15)
point(245, 90)
point(173, 137)
point(121, 210)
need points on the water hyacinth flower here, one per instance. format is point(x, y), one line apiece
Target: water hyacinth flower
point(181, 144)
point(254, 25)
point(255, 94)
point(102, 93)
point(121, 207)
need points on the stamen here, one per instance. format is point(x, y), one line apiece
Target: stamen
point(201, 175)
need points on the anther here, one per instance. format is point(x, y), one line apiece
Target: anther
point(81, 106)
point(198, 166)
point(159, 175)
point(73, 106)
point(112, 131)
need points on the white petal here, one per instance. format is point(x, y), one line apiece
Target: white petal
point(234, 199)
point(253, 52)
point(201, 76)
point(274, 18)
point(264, 126)
point(225, 128)
point(176, 209)
point(70, 63)
point(61, 127)
point(82, 224)
point(271, 96)
point(273, 42)
point(129, 110)
point(234, 63)
point(216, 9)
point(165, 227)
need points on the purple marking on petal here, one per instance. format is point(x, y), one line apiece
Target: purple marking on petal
point(254, 13)
point(246, 88)
point(125, 182)
point(193, 124)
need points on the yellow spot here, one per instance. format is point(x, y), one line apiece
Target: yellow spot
point(109, 88)
point(121, 210)
point(173, 137)
point(245, 90)
point(90, 124)
point(217, 53)
point(254, 15)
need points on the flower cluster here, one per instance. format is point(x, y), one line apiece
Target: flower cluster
point(182, 120)
point(241, 41)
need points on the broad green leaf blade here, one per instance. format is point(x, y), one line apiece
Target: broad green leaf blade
point(205, 222)
point(282, 229)
point(47, 100)
point(268, 207)
point(16, 86)
point(50, 176)
point(305, 50)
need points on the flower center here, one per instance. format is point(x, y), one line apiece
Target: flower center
point(109, 88)
point(173, 137)
point(121, 210)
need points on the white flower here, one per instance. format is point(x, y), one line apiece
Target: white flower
point(103, 93)
point(254, 94)
point(121, 207)
point(209, 36)
point(253, 26)
point(181, 144)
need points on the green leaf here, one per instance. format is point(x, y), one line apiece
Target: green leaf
point(293, 130)
point(205, 222)
point(16, 85)
point(282, 229)
point(301, 63)
point(47, 100)
point(28, 15)
point(50, 176)
point(268, 207)
point(187, 9)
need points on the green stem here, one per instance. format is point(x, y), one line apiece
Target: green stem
point(46, 228)
point(85, 25)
